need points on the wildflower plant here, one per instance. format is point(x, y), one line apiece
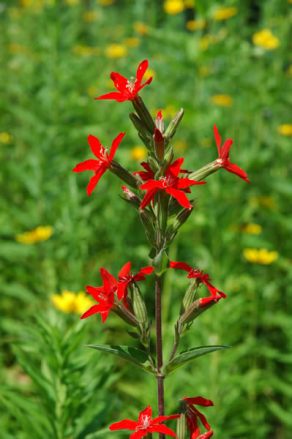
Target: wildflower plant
point(160, 193)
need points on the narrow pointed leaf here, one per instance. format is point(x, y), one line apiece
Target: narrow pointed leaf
point(191, 354)
point(129, 353)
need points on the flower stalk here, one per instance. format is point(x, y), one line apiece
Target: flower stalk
point(160, 195)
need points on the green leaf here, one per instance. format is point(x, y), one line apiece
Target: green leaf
point(134, 355)
point(190, 355)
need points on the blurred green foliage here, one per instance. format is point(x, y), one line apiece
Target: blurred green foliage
point(55, 57)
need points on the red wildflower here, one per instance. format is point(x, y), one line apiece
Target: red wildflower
point(145, 424)
point(223, 160)
point(146, 175)
point(126, 278)
point(204, 278)
point(104, 160)
point(193, 414)
point(171, 184)
point(128, 89)
point(104, 295)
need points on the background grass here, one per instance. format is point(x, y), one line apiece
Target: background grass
point(54, 60)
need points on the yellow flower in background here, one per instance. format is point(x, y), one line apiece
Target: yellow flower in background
point(263, 201)
point(252, 229)
point(91, 91)
point(222, 100)
point(189, 3)
point(116, 51)
point(204, 71)
point(5, 137)
point(72, 2)
point(90, 16)
point(169, 111)
point(140, 28)
point(81, 50)
point(173, 7)
point(71, 302)
point(17, 48)
point(105, 2)
point(222, 14)
point(265, 39)
point(206, 41)
point(180, 145)
point(193, 25)
point(260, 256)
point(149, 73)
point(132, 42)
point(289, 70)
point(285, 129)
point(139, 153)
point(41, 233)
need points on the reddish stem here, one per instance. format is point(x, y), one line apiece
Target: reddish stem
point(159, 352)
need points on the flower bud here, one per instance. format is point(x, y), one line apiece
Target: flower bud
point(124, 175)
point(172, 127)
point(203, 172)
point(181, 427)
point(129, 196)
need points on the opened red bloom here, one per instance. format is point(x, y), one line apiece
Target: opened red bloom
point(146, 175)
point(103, 162)
point(204, 278)
point(104, 295)
point(128, 89)
point(223, 160)
point(193, 415)
point(126, 278)
point(172, 184)
point(145, 424)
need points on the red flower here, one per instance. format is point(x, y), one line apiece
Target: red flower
point(145, 424)
point(128, 89)
point(126, 278)
point(204, 278)
point(146, 175)
point(193, 414)
point(104, 295)
point(171, 184)
point(223, 160)
point(102, 164)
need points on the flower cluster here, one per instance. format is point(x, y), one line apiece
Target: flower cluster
point(159, 192)
point(113, 290)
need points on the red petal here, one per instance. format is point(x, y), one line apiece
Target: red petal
point(139, 434)
point(125, 270)
point(122, 290)
point(217, 139)
point(234, 169)
point(94, 292)
point(95, 309)
point(137, 89)
point(94, 180)
point(174, 168)
point(148, 198)
point(146, 412)
point(145, 271)
point(152, 184)
point(116, 96)
point(95, 146)
point(142, 67)
point(226, 148)
point(159, 419)
point(109, 281)
point(161, 429)
point(87, 165)
point(125, 424)
point(120, 82)
point(180, 197)
point(199, 400)
point(180, 266)
point(206, 435)
point(186, 182)
point(115, 144)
